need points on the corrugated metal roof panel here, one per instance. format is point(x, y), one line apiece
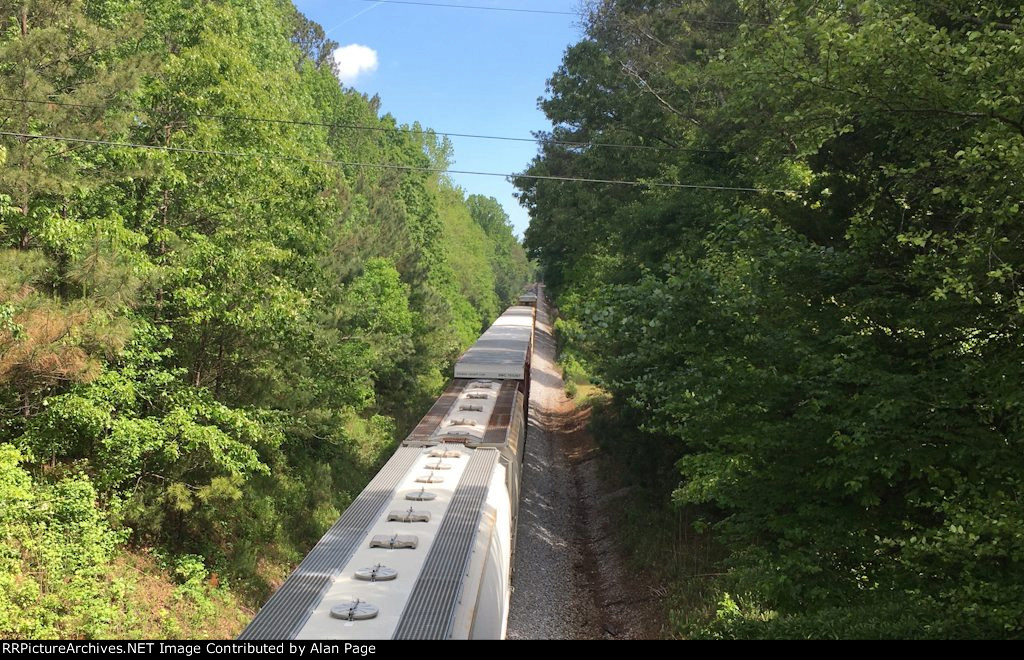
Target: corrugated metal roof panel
point(503, 351)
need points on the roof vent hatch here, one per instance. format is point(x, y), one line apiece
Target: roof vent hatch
point(409, 516)
point(378, 573)
point(354, 610)
point(420, 495)
point(395, 541)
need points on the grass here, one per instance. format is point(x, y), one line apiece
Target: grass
point(659, 540)
point(586, 394)
point(657, 536)
point(157, 606)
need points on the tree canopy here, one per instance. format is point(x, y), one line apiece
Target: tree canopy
point(209, 345)
point(831, 374)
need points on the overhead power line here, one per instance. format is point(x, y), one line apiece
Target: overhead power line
point(387, 166)
point(482, 7)
point(385, 129)
point(544, 11)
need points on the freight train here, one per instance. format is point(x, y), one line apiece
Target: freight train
point(425, 550)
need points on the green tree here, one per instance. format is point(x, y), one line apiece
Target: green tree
point(67, 269)
point(209, 354)
point(830, 371)
point(508, 259)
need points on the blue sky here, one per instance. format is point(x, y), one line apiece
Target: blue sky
point(458, 70)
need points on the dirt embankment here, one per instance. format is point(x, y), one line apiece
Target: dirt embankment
point(628, 603)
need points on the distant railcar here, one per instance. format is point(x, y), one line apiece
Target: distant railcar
point(425, 550)
point(529, 296)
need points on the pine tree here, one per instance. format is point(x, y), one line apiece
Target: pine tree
point(58, 79)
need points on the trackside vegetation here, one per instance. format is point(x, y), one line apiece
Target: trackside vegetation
point(206, 348)
point(825, 373)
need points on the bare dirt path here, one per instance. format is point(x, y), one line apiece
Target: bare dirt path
point(569, 580)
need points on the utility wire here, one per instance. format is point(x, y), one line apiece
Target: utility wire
point(388, 166)
point(539, 11)
point(542, 11)
point(363, 127)
point(442, 4)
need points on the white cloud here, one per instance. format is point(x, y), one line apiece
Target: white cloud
point(353, 60)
